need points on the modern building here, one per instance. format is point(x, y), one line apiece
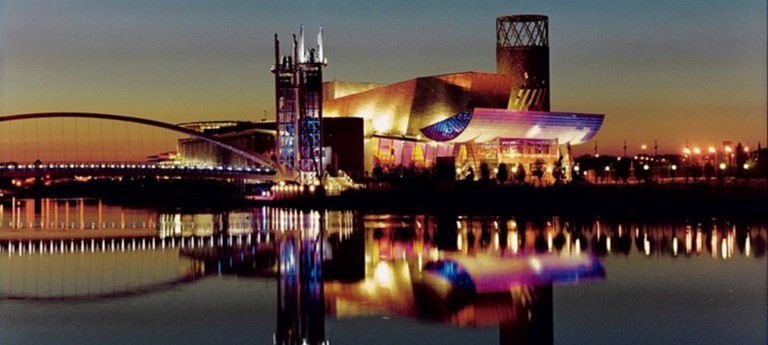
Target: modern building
point(257, 137)
point(476, 117)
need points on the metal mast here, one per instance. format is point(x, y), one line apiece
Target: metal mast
point(299, 108)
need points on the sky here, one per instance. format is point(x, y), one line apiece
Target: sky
point(663, 71)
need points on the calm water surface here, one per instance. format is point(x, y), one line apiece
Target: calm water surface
point(80, 272)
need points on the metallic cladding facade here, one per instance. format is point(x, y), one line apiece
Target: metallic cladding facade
point(404, 108)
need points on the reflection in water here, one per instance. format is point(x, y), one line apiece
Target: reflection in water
point(89, 274)
point(463, 270)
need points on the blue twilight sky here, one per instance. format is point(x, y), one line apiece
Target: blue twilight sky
point(665, 70)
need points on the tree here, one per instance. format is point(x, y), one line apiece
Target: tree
point(470, 174)
point(538, 169)
point(520, 174)
point(559, 172)
point(623, 168)
point(485, 172)
point(709, 171)
point(378, 172)
point(503, 174)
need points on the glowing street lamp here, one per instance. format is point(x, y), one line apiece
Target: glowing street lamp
point(723, 166)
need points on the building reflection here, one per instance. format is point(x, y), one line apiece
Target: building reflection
point(345, 264)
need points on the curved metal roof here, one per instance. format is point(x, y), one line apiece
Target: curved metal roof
point(484, 124)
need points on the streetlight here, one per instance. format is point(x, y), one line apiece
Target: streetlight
point(674, 172)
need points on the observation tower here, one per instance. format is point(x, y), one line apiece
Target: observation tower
point(522, 50)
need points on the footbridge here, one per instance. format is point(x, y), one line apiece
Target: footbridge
point(260, 166)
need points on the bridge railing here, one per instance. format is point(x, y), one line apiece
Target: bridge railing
point(133, 166)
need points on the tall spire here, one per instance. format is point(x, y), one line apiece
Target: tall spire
point(320, 45)
point(302, 54)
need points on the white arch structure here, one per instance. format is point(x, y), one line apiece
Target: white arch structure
point(281, 171)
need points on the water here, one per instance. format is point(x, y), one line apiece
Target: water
point(252, 276)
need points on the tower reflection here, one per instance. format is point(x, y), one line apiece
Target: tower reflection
point(300, 297)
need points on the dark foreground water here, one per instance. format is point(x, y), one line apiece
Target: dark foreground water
point(264, 276)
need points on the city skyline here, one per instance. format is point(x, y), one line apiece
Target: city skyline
point(661, 73)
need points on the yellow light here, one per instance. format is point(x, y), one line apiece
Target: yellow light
point(728, 149)
point(576, 168)
point(711, 149)
point(687, 151)
point(646, 167)
point(383, 274)
point(674, 167)
point(674, 246)
point(722, 166)
point(696, 150)
point(746, 166)
point(644, 147)
point(607, 168)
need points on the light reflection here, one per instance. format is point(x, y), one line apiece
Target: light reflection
point(646, 245)
point(514, 242)
point(724, 249)
point(698, 240)
point(674, 246)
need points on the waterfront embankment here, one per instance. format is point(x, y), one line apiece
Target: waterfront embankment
point(616, 200)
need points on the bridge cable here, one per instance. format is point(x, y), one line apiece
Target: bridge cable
point(23, 141)
point(77, 137)
point(51, 154)
point(101, 132)
point(90, 140)
point(37, 141)
point(6, 141)
point(129, 138)
point(114, 141)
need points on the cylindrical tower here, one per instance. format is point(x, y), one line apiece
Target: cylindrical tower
point(522, 50)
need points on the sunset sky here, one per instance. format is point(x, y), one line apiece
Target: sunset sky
point(659, 70)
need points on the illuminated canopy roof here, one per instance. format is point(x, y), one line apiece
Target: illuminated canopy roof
point(484, 124)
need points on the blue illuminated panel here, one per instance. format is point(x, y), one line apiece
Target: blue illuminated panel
point(449, 128)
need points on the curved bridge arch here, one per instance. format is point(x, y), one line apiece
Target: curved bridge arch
point(248, 154)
